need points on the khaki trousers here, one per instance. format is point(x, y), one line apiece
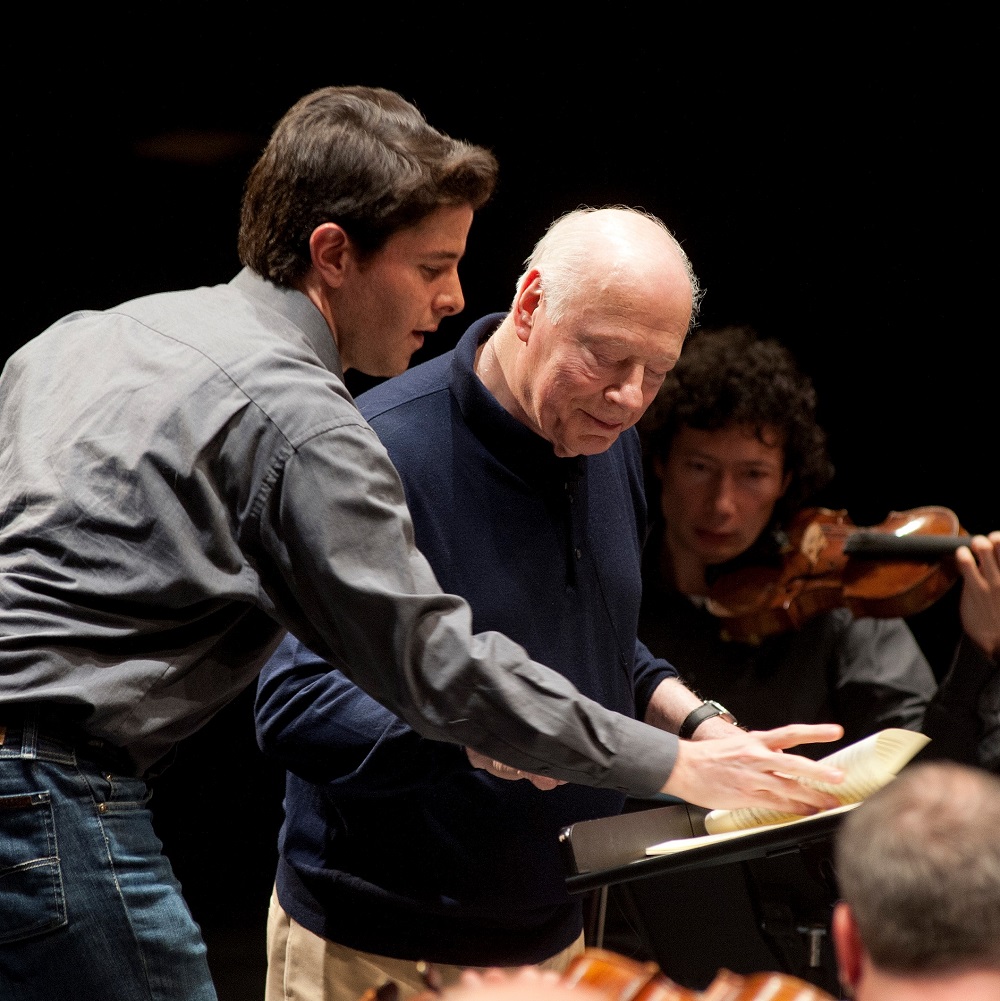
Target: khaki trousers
point(302, 966)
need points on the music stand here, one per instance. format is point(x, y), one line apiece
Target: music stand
point(611, 851)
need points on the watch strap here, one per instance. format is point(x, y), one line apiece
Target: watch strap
point(699, 714)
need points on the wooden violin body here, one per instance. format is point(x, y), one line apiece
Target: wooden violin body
point(894, 569)
point(622, 979)
point(619, 978)
point(613, 977)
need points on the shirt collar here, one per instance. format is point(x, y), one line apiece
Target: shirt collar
point(520, 449)
point(298, 309)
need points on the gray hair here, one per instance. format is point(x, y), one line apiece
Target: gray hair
point(562, 258)
point(919, 865)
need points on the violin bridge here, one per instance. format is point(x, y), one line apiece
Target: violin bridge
point(813, 543)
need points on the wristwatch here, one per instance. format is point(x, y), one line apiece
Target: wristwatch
point(705, 711)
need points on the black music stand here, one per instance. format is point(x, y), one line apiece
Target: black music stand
point(760, 901)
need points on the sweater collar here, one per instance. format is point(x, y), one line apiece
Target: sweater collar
point(516, 446)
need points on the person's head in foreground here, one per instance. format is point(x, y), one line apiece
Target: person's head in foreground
point(918, 865)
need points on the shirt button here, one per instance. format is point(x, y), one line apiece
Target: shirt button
point(579, 554)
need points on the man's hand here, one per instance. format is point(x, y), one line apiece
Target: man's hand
point(748, 769)
point(502, 771)
point(979, 606)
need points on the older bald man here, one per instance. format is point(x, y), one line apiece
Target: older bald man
point(523, 477)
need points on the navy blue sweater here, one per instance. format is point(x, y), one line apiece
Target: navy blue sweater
point(393, 844)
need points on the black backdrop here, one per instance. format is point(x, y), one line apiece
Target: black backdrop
point(828, 178)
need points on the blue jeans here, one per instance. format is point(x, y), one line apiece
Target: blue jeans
point(89, 907)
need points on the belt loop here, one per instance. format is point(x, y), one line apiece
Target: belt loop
point(29, 735)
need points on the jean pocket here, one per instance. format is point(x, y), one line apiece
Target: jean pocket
point(31, 889)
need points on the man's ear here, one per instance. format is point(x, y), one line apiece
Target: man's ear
point(330, 249)
point(847, 942)
point(529, 294)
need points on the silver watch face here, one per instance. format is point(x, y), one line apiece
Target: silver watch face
point(724, 713)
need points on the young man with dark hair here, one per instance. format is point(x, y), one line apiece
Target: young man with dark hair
point(393, 171)
point(732, 452)
point(183, 478)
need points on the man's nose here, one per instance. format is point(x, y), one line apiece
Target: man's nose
point(450, 300)
point(724, 499)
point(628, 392)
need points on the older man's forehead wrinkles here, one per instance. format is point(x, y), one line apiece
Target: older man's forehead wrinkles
point(645, 346)
point(628, 317)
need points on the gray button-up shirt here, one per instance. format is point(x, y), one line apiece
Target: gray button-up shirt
point(184, 476)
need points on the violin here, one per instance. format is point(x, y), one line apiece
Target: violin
point(619, 978)
point(622, 979)
point(599, 973)
point(891, 570)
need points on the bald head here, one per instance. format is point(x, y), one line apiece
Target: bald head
point(598, 319)
point(607, 246)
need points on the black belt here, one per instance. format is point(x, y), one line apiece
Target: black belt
point(61, 726)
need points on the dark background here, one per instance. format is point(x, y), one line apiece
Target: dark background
point(827, 177)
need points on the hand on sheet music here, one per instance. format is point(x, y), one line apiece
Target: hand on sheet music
point(502, 771)
point(749, 769)
point(979, 607)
